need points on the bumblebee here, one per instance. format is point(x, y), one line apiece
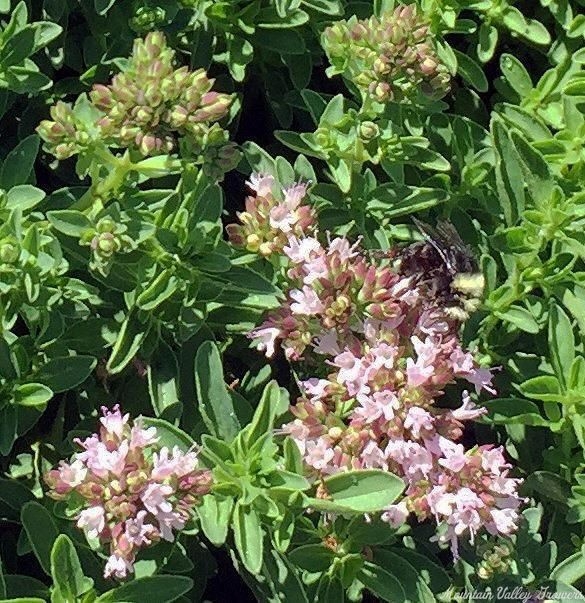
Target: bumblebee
point(446, 267)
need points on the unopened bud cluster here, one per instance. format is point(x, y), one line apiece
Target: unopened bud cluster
point(65, 134)
point(495, 560)
point(106, 240)
point(150, 106)
point(391, 57)
point(127, 491)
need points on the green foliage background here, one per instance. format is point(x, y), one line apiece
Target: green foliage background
point(161, 330)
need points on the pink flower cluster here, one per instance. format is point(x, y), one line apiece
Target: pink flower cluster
point(385, 350)
point(134, 493)
point(270, 219)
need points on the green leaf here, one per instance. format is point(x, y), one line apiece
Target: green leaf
point(169, 435)
point(260, 161)
point(364, 491)
point(17, 167)
point(268, 409)
point(41, 532)
point(282, 41)
point(248, 537)
point(488, 39)
point(101, 7)
point(471, 72)
point(127, 344)
point(150, 589)
point(157, 291)
point(561, 343)
point(413, 583)
point(537, 174)
point(163, 376)
point(66, 571)
point(550, 485)
point(215, 403)
point(508, 174)
point(527, 28)
point(434, 575)
point(312, 557)
point(65, 372)
point(13, 495)
point(521, 318)
point(570, 570)
point(393, 200)
point(25, 586)
point(214, 515)
point(382, 583)
point(24, 197)
point(328, 7)
point(577, 373)
point(297, 143)
point(544, 387)
point(70, 222)
point(511, 411)
point(516, 74)
point(32, 394)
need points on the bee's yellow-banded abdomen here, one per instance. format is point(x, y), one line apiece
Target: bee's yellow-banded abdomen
point(469, 284)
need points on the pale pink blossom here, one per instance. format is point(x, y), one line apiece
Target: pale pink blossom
point(468, 411)
point(155, 500)
point(319, 453)
point(267, 337)
point(261, 184)
point(327, 343)
point(92, 521)
point(417, 420)
point(113, 421)
point(138, 532)
point(396, 514)
point(306, 301)
point(117, 567)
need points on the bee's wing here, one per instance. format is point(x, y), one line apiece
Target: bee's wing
point(453, 242)
point(440, 244)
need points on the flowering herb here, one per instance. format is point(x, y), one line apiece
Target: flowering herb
point(126, 491)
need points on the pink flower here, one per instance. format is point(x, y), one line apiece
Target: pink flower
point(282, 218)
point(417, 372)
point(327, 343)
point(113, 421)
point(417, 420)
point(155, 500)
point(131, 493)
point(72, 475)
point(343, 248)
point(396, 515)
point(319, 454)
point(468, 411)
point(293, 195)
point(306, 301)
point(139, 533)
point(504, 521)
point(301, 251)
point(373, 457)
point(169, 521)
point(316, 388)
point(140, 437)
point(117, 566)
point(92, 521)
point(267, 337)
point(261, 184)
point(440, 502)
point(481, 378)
point(455, 457)
point(350, 367)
